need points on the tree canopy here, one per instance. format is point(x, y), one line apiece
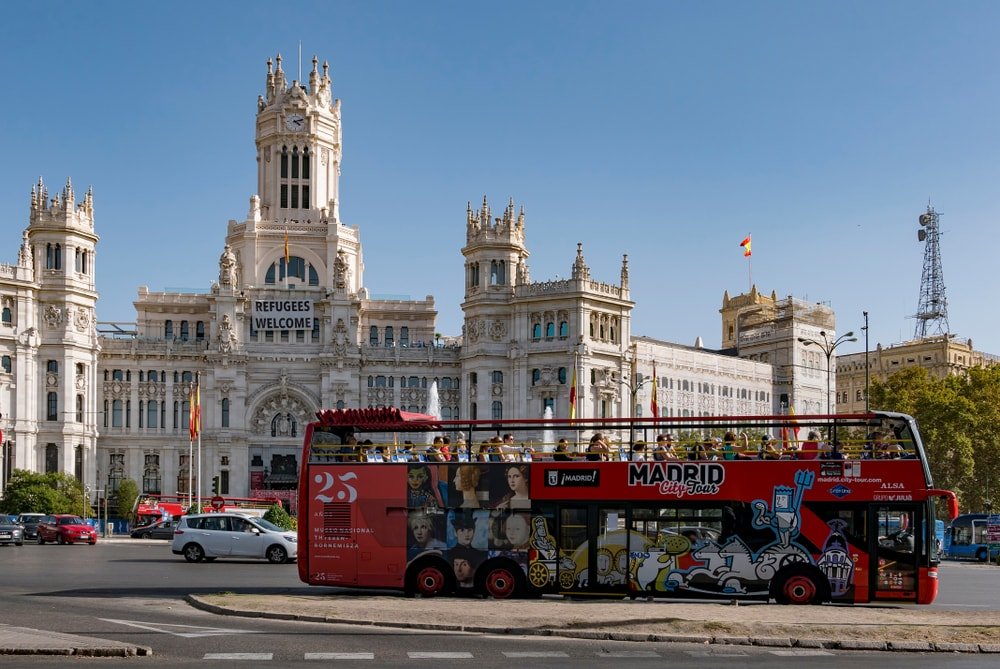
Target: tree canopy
point(30, 492)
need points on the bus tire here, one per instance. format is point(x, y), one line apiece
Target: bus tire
point(800, 584)
point(429, 578)
point(982, 554)
point(502, 579)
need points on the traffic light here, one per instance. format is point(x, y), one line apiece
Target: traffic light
point(215, 485)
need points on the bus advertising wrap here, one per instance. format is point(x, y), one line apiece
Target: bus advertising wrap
point(282, 315)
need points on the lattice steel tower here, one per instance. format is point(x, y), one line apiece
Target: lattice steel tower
point(932, 312)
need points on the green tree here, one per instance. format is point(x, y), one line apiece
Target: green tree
point(41, 493)
point(277, 515)
point(128, 492)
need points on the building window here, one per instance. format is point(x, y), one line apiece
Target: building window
point(550, 329)
point(390, 337)
point(8, 316)
point(536, 331)
point(185, 331)
point(562, 375)
point(404, 336)
point(152, 412)
point(116, 413)
point(225, 412)
point(151, 474)
point(284, 425)
point(373, 335)
point(6, 364)
point(498, 410)
point(79, 408)
point(52, 406)
point(168, 329)
point(497, 377)
point(550, 404)
point(199, 331)
point(116, 473)
point(51, 458)
point(52, 367)
point(536, 376)
point(563, 329)
point(53, 256)
point(78, 462)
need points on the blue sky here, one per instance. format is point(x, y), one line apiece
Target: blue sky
point(664, 130)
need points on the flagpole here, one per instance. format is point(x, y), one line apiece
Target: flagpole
point(190, 466)
point(197, 427)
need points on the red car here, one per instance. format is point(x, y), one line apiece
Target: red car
point(65, 529)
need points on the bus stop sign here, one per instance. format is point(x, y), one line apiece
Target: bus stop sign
point(218, 502)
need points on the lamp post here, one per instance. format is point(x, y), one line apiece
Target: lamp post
point(865, 328)
point(828, 346)
point(633, 388)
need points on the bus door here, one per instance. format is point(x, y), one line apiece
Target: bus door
point(898, 545)
point(592, 543)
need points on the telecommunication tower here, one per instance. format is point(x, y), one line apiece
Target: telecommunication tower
point(932, 312)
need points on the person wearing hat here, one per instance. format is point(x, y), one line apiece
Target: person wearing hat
point(465, 528)
point(465, 561)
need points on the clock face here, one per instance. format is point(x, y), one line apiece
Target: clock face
point(295, 122)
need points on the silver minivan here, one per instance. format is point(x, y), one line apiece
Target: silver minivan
point(207, 536)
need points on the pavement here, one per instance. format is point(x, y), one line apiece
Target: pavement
point(863, 627)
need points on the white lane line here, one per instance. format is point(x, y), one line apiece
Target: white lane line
point(708, 653)
point(627, 653)
point(186, 631)
point(340, 656)
point(416, 655)
point(541, 653)
point(800, 653)
point(238, 656)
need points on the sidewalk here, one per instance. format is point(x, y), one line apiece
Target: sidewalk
point(882, 628)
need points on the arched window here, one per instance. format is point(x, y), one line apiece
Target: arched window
point(550, 329)
point(199, 331)
point(52, 406)
point(52, 366)
point(225, 412)
point(373, 335)
point(8, 316)
point(563, 329)
point(404, 336)
point(497, 377)
point(151, 475)
point(536, 331)
point(168, 329)
point(185, 331)
point(536, 376)
point(152, 412)
point(390, 337)
point(284, 425)
point(498, 410)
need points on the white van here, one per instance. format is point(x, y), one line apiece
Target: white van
point(207, 536)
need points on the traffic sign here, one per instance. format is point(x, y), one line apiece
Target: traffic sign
point(218, 502)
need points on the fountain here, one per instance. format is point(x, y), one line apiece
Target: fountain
point(433, 408)
point(548, 436)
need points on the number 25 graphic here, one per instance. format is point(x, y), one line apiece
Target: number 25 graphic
point(328, 481)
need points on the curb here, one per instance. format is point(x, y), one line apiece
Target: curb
point(899, 646)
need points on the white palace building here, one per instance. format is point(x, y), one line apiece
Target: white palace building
point(289, 328)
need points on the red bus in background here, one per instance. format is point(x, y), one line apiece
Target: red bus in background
point(150, 508)
point(711, 520)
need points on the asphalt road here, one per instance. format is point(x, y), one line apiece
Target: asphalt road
point(133, 593)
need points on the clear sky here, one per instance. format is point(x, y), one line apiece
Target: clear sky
point(664, 130)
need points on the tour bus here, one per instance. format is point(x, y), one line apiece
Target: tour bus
point(617, 520)
point(149, 509)
point(967, 538)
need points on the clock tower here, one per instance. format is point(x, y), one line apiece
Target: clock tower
point(298, 147)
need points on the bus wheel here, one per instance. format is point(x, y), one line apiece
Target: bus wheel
point(798, 588)
point(500, 583)
point(429, 581)
point(981, 555)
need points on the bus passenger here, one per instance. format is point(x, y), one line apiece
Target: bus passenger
point(562, 453)
point(770, 450)
point(598, 448)
point(638, 451)
point(810, 447)
point(836, 452)
point(664, 449)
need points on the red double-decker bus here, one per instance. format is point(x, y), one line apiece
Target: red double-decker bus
point(708, 507)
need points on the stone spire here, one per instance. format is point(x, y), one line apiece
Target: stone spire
point(580, 269)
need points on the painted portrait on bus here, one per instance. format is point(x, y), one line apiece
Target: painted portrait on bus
point(468, 486)
point(468, 528)
point(465, 561)
point(510, 531)
point(511, 489)
point(425, 527)
point(421, 487)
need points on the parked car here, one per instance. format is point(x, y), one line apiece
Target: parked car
point(29, 521)
point(209, 536)
point(65, 529)
point(161, 529)
point(11, 532)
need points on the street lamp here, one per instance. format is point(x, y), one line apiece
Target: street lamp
point(633, 391)
point(865, 328)
point(828, 346)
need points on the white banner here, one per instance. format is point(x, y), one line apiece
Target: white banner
point(282, 315)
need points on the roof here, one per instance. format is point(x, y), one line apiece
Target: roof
point(375, 419)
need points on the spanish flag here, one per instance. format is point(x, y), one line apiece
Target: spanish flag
point(194, 420)
point(572, 396)
point(286, 250)
point(746, 247)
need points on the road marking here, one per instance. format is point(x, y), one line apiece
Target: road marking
point(195, 630)
point(439, 656)
point(627, 653)
point(708, 653)
point(800, 653)
point(340, 656)
point(238, 656)
point(541, 653)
